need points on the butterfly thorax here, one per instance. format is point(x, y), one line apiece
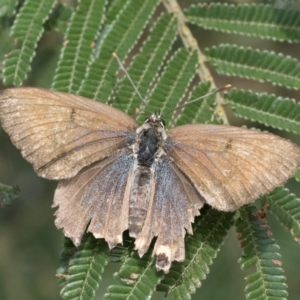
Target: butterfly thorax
point(150, 139)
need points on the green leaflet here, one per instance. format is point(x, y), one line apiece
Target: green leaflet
point(255, 64)
point(27, 30)
point(286, 207)
point(136, 279)
point(261, 251)
point(85, 268)
point(201, 248)
point(7, 7)
point(263, 20)
point(278, 112)
point(113, 10)
point(78, 50)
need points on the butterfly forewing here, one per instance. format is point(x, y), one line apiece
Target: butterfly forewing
point(231, 166)
point(61, 133)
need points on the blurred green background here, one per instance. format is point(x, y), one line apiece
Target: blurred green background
point(29, 241)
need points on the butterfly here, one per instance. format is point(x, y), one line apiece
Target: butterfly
point(115, 175)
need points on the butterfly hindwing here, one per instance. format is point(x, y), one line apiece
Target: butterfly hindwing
point(97, 199)
point(231, 166)
point(175, 204)
point(60, 133)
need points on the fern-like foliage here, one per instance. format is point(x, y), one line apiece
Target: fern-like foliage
point(113, 11)
point(59, 18)
point(8, 194)
point(263, 20)
point(286, 207)
point(7, 7)
point(85, 268)
point(199, 112)
point(260, 250)
point(123, 35)
point(136, 279)
point(66, 255)
point(201, 249)
point(278, 112)
point(145, 37)
point(146, 65)
point(83, 29)
point(26, 31)
point(173, 83)
point(255, 64)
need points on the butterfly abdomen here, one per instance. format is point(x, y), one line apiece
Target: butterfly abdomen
point(148, 142)
point(139, 198)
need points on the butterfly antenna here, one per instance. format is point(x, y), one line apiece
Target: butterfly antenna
point(127, 75)
point(227, 86)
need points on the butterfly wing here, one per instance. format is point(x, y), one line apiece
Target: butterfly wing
point(96, 199)
point(175, 204)
point(60, 133)
point(231, 166)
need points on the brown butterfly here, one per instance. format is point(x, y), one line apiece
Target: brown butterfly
point(115, 175)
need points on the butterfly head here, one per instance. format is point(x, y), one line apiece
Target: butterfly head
point(155, 120)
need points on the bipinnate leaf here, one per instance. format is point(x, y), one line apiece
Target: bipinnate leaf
point(173, 83)
point(78, 46)
point(27, 30)
point(260, 250)
point(278, 112)
point(66, 254)
point(265, 21)
point(145, 66)
point(279, 69)
point(164, 76)
point(286, 207)
point(85, 268)
point(199, 112)
point(101, 77)
point(136, 279)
